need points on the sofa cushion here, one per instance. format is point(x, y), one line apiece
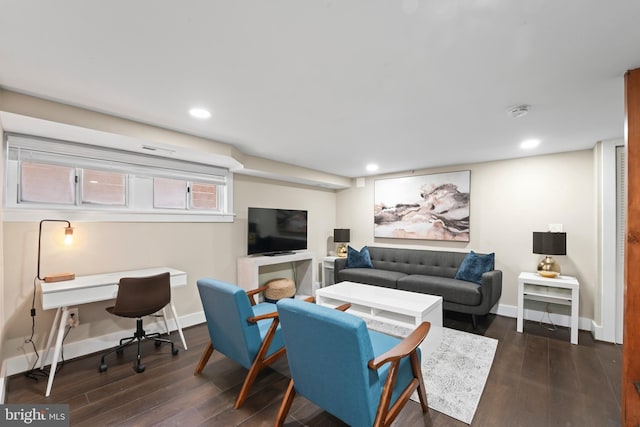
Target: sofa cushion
point(453, 290)
point(411, 261)
point(474, 265)
point(358, 259)
point(371, 276)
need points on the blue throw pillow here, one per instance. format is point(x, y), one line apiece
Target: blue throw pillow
point(358, 259)
point(473, 265)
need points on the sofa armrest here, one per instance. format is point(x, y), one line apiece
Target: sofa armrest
point(338, 264)
point(491, 287)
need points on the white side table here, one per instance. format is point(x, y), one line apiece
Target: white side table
point(561, 290)
point(327, 270)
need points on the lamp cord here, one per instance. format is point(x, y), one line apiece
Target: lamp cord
point(553, 326)
point(34, 372)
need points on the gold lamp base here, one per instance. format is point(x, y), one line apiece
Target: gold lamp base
point(342, 250)
point(548, 267)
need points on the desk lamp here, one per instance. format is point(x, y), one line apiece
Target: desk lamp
point(342, 236)
point(68, 239)
point(548, 243)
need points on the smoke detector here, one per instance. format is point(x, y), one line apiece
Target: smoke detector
point(518, 111)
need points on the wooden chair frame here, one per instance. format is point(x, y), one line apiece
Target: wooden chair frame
point(384, 414)
point(260, 361)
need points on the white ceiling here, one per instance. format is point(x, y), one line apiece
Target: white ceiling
point(333, 85)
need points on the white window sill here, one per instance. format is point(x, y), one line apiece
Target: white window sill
point(35, 215)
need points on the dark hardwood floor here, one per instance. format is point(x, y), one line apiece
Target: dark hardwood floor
point(537, 379)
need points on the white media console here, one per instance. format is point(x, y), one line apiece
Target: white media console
point(303, 264)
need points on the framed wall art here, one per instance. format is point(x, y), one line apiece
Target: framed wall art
point(430, 207)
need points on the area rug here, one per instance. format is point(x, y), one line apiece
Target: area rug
point(455, 367)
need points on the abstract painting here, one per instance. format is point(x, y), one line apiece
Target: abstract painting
point(430, 207)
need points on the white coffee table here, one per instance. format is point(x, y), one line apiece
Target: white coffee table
point(392, 306)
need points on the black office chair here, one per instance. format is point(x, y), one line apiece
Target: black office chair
point(137, 297)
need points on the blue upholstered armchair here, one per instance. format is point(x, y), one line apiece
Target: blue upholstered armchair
point(362, 377)
point(245, 332)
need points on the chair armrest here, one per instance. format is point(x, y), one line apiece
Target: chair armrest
point(255, 319)
point(252, 292)
point(338, 264)
point(491, 288)
point(403, 348)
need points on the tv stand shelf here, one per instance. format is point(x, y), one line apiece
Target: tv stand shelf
point(303, 263)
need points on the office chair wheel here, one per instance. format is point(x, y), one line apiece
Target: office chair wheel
point(103, 367)
point(174, 351)
point(139, 368)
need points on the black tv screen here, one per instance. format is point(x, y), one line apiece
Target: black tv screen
point(276, 231)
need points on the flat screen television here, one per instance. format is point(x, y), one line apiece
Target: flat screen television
point(276, 231)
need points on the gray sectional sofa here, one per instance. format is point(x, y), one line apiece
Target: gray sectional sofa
point(429, 272)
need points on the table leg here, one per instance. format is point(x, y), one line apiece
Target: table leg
point(56, 351)
point(520, 320)
point(175, 317)
point(164, 317)
point(574, 316)
point(56, 319)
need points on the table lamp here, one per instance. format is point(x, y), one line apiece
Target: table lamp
point(342, 236)
point(68, 239)
point(548, 243)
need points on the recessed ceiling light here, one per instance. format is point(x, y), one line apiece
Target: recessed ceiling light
point(529, 144)
point(372, 167)
point(199, 113)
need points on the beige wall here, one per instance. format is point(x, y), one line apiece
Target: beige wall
point(200, 249)
point(509, 200)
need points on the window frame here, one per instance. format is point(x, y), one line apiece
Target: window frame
point(139, 168)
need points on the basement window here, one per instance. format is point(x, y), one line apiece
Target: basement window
point(50, 176)
point(105, 188)
point(180, 194)
point(169, 193)
point(203, 196)
point(43, 183)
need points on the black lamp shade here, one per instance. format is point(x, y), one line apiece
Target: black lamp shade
point(341, 235)
point(547, 243)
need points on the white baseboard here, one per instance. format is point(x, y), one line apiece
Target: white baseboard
point(597, 331)
point(600, 334)
point(23, 363)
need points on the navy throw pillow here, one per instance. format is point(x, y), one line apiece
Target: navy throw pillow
point(358, 259)
point(473, 265)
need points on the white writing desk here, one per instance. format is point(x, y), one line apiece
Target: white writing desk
point(88, 289)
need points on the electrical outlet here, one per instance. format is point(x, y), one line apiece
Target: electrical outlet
point(73, 320)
